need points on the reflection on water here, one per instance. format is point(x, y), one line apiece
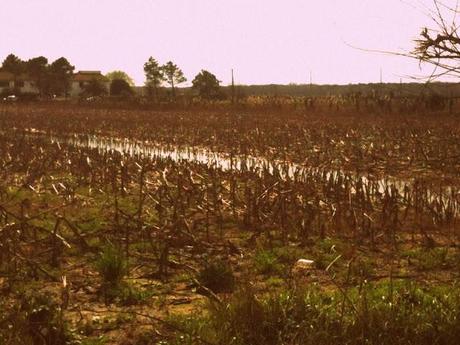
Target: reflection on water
point(226, 162)
point(435, 193)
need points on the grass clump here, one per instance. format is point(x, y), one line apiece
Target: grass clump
point(266, 262)
point(428, 259)
point(217, 276)
point(126, 294)
point(194, 329)
point(112, 267)
point(385, 314)
point(274, 282)
point(288, 255)
point(132, 295)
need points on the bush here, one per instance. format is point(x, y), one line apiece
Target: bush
point(120, 87)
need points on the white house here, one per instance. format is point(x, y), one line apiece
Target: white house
point(83, 78)
point(8, 83)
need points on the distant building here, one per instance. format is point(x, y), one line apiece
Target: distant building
point(83, 78)
point(22, 83)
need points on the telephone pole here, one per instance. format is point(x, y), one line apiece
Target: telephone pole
point(233, 88)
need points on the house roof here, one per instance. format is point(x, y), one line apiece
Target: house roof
point(88, 76)
point(8, 76)
point(80, 76)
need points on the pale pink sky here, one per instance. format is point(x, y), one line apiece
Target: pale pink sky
point(265, 41)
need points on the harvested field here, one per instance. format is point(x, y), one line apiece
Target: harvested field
point(185, 227)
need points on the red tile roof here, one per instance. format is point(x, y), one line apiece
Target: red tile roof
point(8, 76)
point(88, 76)
point(80, 76)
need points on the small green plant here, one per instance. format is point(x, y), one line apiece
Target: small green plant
point(323, 260)
point(288, 254)
point(329, 245)
point(132, 295)
point(428, 259)
point(217, 276)
point(266, 262)
point(274, 282)
point(112, 267)
point(125, 294)
point(327, 251)
point(194, 328)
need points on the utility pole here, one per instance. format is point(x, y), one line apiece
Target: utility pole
point(233, 88)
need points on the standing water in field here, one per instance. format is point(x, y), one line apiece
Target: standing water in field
point(241, 163)
point(284, 170)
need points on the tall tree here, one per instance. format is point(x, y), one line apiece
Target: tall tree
point(174, 76)
point(120, 75)
point(154, 76)
point(94, 88)
point(120, 87)
point(206, 84)
point(14, 65)
point(37, 69)
point(61, 72)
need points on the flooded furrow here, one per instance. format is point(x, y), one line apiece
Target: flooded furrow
point(228, 162)
point(285, 170)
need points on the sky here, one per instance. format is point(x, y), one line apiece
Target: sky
point(264, 41)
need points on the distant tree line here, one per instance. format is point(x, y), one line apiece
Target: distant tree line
point(55, 78)
point(49, 78)
point(205, 83)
